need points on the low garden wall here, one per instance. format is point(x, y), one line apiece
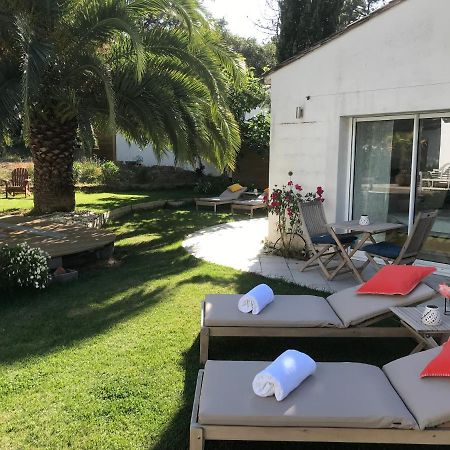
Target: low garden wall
point(98, 220)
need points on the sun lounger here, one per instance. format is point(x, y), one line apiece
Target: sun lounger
point(343, 314)
point(248, 205)
point(226, 197)
point(340, 402)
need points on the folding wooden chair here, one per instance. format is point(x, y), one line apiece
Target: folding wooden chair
point(392, 253)
point(320, 244)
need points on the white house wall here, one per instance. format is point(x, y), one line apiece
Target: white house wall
point(397, 62)
point(131, 152)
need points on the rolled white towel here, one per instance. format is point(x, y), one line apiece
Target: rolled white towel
point(256, 300)
point(283, 375)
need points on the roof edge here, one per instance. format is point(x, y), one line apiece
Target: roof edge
point(332, 37)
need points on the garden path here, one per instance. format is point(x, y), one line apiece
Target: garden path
point(240, 245)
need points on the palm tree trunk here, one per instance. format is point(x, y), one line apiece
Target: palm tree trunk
point(52, 146)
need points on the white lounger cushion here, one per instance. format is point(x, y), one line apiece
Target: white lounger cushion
point(427, 398)
point(353, 308)
point(344, 395)
point(221, 310)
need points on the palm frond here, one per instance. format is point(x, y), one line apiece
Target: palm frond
point(94, 24)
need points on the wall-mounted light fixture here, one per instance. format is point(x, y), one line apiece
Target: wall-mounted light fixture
point(299, 112)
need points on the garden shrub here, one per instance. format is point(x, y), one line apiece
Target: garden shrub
point(110, 172)
point(88, 171)
point(23, 267)
point(95, 171)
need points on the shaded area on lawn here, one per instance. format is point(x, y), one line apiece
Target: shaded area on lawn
point(111, 361)
point(99, 201)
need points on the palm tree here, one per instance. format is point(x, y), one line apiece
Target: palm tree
point(151, 69)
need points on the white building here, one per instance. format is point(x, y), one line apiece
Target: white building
point(375, 129)
point(129, 152)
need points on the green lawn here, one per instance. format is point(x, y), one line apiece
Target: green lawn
point(110, 361)
point(99, 201)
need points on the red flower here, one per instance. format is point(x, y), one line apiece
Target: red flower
point(320, 191)
point(290, 183)
point(275, 204)
point(274, 195)
point(298, 187)
point(289, 211)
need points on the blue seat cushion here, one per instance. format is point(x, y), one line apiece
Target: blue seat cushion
point(328, 239)
point(386, 249)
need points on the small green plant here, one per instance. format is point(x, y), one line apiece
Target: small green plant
point(110, 172)
point(88, 171)
point(23, 267)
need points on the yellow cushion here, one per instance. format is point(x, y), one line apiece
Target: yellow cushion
point(234, 187)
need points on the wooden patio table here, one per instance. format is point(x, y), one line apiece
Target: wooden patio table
point(367, 232)
point(425, 335)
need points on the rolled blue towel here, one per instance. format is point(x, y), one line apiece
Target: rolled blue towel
point(283, 375)
point(256, 300)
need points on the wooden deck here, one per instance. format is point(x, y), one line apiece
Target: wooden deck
point(56, 239)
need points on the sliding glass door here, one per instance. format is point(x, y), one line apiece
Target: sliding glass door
point(382, 177)
point(433, 184)
point(402, 166)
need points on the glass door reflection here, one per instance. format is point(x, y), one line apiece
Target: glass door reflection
point(433, 185)
point(382, 171)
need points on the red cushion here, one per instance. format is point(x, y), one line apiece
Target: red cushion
point(439, 366)
point(395, 280)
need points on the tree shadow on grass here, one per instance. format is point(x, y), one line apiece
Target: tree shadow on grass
point(38, 323)
point(175, 224)
point(245, 281)
point(42, 327)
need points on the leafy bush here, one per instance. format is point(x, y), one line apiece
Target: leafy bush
point(6, 155)
point(23, 267)
point(110, 172)
point(88, 171)
point(255, 134)
point(95, 171)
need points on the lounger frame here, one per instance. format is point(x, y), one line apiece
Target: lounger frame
point(200, 433)
point(211, 203)
point(249, 207)
point(363, 329)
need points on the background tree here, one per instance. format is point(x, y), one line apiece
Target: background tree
point(303, 23)
point(258, 56)
point(152, 69)
point(251, 95)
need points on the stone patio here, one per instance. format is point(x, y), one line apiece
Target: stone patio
point(240, 245)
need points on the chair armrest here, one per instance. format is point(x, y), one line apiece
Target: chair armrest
point(2, 180)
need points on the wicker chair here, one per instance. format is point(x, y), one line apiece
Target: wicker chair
point(407, 254)
point(319, 243)
point(19, 183)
